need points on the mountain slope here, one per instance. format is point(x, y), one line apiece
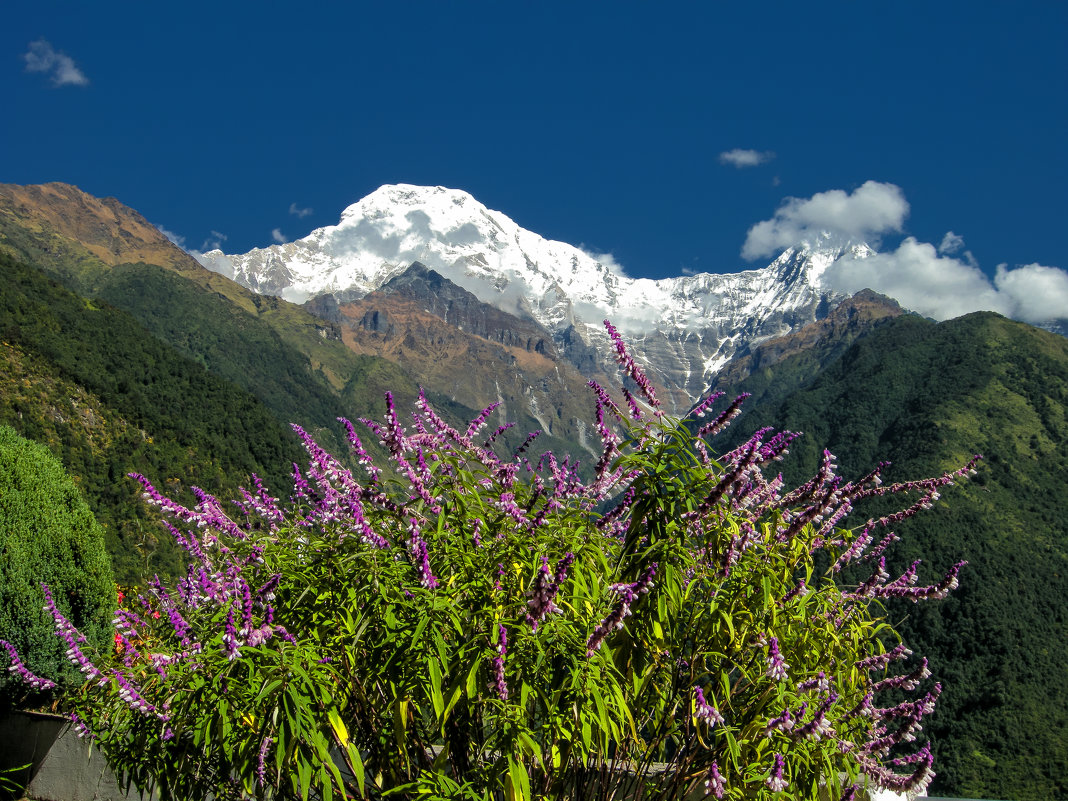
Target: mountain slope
point(925, 396)
point(290, 359)
point(808, 349)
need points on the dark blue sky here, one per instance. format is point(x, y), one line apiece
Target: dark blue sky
point(597, 123)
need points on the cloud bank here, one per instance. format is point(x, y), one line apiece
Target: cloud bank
point(298, 212)
point(42, 57)
point(861, 216)
point(278, 236)
point(942, 281)
point(745, 158)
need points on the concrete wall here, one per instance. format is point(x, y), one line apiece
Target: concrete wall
point(62, 765)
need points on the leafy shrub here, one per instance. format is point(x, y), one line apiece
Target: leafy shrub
point(48, 535)
point(487, 628)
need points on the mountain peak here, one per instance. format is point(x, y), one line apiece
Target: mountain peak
point(688, 326)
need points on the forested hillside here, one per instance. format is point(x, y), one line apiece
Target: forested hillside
point(108, 398)
point(926, 396)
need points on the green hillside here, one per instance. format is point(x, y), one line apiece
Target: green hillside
point(281, 354)
point(926, 396)
point(108, 398)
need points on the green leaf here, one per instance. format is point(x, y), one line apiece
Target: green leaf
point(304, 773)
point(519, 780)
point(355, 765)
point(341, 731)
point(435, 686)
point(268, 688)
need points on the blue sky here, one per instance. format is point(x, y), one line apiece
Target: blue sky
point(600, 124)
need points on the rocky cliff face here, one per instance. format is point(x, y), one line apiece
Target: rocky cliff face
point(476, 354)
point(828, 336)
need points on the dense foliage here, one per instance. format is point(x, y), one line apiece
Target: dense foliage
point(477, 629)
point(48, 535)
point(923, 395)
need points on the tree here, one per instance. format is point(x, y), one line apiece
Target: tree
point(49, 537)
point(489, 628)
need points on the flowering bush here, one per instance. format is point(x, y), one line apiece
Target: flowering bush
point(476, 627)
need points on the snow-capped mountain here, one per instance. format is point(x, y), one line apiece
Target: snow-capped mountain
point(683, 328)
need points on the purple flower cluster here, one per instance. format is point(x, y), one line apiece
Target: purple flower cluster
point(775, 781)
point(546, 586)
point(628, 594)
point(631, 369)
point(420, 555)
point(725, 417)
point(71, 636)
point(24, 673)
point(704, 710)
point(735, 517)
point(714, 781)
point(499, 685)
point(776, 665)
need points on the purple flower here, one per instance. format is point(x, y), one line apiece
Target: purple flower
point(499, 685)
point(704, 710)
point(632, 370)
point(420, 555)
point(231, 641)
point(882, 660)
point(819, 726)
point(80, 728)
point(777, 667)
point(714, 781)
point(628, 594)
point(261, 761)
point(724, 419)
point(542, 602)
point(775, 782)
point(785, 722)
point(71, 636)
point(702, 407)
point(131, 695)
point(909, 681)
point(24, 673)
point(819, 684)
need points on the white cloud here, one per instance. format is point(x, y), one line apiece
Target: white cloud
point(951, 243)
point(213, 242)
point(176, 239)
point(861, 216)
point(942, 287)
point(218, 264)
point(299, 212)
point(1037, 293)
point(278, 236)
point(745, 158)
point(606, 259)
point(919, 279)
point(42, 57)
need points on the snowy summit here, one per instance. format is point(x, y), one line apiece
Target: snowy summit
point(686, 327)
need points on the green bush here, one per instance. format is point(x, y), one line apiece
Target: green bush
point(48, 536)
point(487, 628)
